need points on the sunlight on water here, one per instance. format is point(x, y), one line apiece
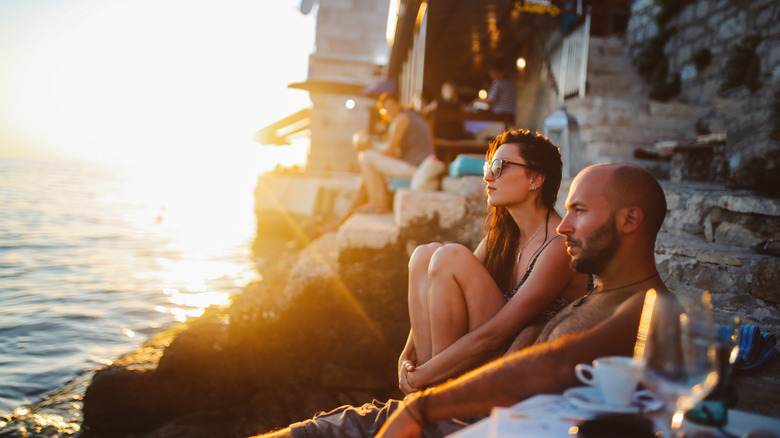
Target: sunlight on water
point(96, 257)
point(207, 205)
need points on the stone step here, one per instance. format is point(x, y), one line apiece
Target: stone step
point(468, 186)
point(608, 103)
point(709, 212)
point(615, 85)
point(611, 43)
point(737, 277)
point(411, 207)
point(659, 168)
point(371, 231)
point(667, 126)
point(617, 64)
point(674, 110)
point(611, 152)
point(624, 134)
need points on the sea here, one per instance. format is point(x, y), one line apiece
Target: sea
point(96, 257)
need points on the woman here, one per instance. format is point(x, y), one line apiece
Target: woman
point(466, 308)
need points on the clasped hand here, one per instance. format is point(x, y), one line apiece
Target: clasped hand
point(405, 371)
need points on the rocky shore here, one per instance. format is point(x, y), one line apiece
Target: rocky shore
point(306, 338)
point(309, 336)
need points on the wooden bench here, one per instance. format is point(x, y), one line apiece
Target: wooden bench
point(699, 160)
point(447, 150)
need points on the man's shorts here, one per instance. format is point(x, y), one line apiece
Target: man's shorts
point(362, 422)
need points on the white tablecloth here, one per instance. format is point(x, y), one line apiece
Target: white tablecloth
point(551, 416)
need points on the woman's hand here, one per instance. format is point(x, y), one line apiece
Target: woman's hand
point(407, 362)
point(406, 367)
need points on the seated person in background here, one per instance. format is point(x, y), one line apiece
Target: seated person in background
point(466, 308)
point(447, 129)
point(409, 144)
point(614, 212)
point(502, 95)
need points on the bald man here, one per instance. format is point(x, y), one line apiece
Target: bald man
point(613, 214)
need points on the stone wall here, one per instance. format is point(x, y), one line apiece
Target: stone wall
point(748, 117)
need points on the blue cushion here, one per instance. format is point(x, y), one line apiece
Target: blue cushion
point(465, 165)
point(400, 183)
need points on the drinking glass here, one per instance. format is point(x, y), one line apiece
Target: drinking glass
point(713, 410)
point(678, 353)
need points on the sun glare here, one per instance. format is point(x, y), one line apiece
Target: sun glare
point(150, 81)
point(172, 90)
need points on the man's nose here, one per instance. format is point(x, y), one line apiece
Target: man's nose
point(564, 228)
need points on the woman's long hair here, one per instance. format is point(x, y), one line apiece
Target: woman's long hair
point(499, 229)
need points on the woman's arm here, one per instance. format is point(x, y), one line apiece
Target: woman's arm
point(547, 280)
point(407, 360)
point(481, 253)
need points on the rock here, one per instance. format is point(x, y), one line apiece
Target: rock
point(735, 234)
point(123, 400)
point(719, 259)
point(766, 277)
point(413, 206)
point(372, 231)
point(194, 374)
point(331, 337)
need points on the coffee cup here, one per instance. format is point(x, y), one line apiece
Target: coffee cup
point(616, 377)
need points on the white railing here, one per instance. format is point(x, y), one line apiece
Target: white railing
point(569, 62)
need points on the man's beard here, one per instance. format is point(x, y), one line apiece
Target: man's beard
point(601, 247)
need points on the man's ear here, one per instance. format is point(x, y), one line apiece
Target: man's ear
point(629, 219)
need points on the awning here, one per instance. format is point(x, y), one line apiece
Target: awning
point(383, 86)
point(277, 133)
point(332, 85)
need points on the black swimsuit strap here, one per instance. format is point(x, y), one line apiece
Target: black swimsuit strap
point(533, 261)
point(530, 268)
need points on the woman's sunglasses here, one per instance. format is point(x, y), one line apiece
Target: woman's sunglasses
point(497, 165)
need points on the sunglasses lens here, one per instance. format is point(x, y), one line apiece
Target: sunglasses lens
point(495, 168)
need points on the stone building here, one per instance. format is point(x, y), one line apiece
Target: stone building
point(350, 54)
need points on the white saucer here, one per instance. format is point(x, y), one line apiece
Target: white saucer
point(590, 398)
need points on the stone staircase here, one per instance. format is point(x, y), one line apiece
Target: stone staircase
point(617, 115)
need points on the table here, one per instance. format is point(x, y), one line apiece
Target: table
point(551, 416)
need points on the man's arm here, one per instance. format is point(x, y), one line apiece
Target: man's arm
point(540, 369)
point(399, 126)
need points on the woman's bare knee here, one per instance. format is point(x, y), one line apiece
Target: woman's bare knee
point(448, 258)
point(421, 256)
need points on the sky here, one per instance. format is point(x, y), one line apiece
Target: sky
point(148, 81)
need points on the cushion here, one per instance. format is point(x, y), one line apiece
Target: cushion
point(464, 165)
